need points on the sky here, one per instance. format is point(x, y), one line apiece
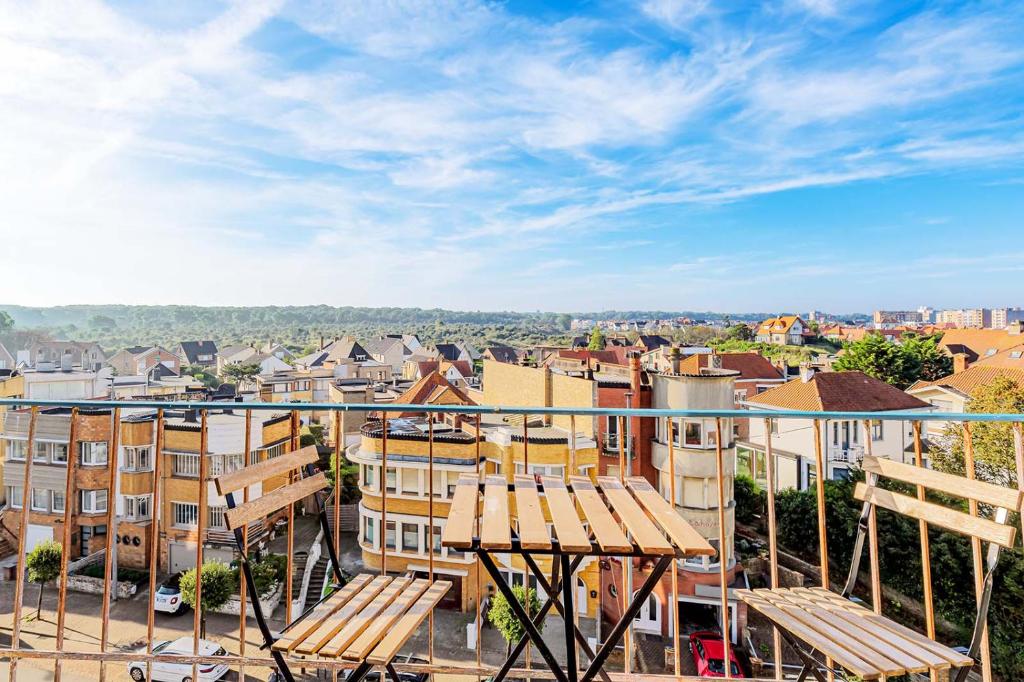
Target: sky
point(656, 154)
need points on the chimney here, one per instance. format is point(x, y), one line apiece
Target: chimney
point(65, 362)
point(806, 372)
point(191, 417)
point(674, 359)
point(715, 361)
point(1015, 328)
point(321, 342)
point(960, 362)
point(635, 376)
point(548, 393)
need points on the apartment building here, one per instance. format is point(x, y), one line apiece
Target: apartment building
point(843, 442)
point(968, 318)
point(1004, 317)
point(895, 318)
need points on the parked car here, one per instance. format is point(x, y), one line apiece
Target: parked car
point(181, 672)
point(375, 676)
point(709, 656)
point(168, 596)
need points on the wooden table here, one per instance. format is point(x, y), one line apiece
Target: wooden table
point(625, 519)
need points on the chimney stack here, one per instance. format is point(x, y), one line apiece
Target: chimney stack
point(806, 372)
point(715, 361)
point(674, 359)
point(960, 362)
point(1015, 328)
point(635, 376)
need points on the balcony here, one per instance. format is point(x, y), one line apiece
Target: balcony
point(757, 545)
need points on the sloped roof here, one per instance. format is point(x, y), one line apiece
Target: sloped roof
point(448, 351)
point(1011, 358)
point(749, 365)
point(972, 378)
point(779, 325)
point(341, 349)
point(383, 344)
point(977, 343)
point(837, 392)
point(431, 389)
point(503, 354)
point(193, 349)
point(652, 341)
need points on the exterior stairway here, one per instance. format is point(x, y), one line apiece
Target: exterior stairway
point(298, 568)
point(316, 582)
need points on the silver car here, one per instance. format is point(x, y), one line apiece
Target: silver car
point(181, 672)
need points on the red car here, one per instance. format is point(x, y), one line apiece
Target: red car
point(708, 655)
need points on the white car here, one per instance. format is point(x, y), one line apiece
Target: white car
point(168, 597)
point(181, 672)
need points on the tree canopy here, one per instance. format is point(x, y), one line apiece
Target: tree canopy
point(504, 619)
point(218, 585)
point(597, 340)
point(43, 564)
point(897, 364)
point(6, 322)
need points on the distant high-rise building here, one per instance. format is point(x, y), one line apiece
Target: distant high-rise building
point(973, 318)
point(895, 318)
point(1004, 317)
point(927, 314)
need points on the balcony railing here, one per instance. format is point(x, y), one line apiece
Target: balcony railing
point(582, 426)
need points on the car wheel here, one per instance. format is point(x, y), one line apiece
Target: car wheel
point(186, 679)
point(137, 674)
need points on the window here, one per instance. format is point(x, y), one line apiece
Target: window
point(93, 453)
point(16, 450)
point(410, 537)
point(876, 429)
point(774, 426)
point(215, 517)
point(186, 464)
point(138, 458)
point(185, 514)
point(556, 470)
point(611, 434)
point(57, 501)
point(94, 501)
point(692, 436)
point(677, 432)
point(275, 451)
point(389, 535)
point(136, 506)
point(39, 452)
point(40, 499)
point(14, 494)
point(392, 480)
point(1016, 355)
point(59, 453)
point(369, 530)
point(437, 539)
point(370, 477)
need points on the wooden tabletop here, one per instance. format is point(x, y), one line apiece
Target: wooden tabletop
point(621, 517)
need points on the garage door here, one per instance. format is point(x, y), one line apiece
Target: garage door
point(183, 556)
point(36, 534)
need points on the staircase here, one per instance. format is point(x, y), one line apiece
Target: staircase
point(298, 568)
point(8, 538)
point(5, 548)
point(316, 583)
point(349, 518)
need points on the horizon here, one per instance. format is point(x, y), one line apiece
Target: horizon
point(468, 155)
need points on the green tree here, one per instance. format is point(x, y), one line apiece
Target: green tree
point(242, 374)
point(43, 566)
point(201, 374)
point(993, 441)
point(929, 360)
point(218, 585)
point(597, 340)
point(739, 332)
point(504, 619)
point(6, 322)
point(880, 359)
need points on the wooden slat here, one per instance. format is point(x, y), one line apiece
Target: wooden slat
point(274, 500)
point(297, 633)
point(400, 633)
point(935, 514)
point(360, 621)
point(533, 531)
point(378, 627)
point(330, 626)
point(261, 471)
point(458, 529)
point(602, 524)
point(572, 537)
point(686, 538)
point(644, 532)
point(971, 489)
point(496, 529)
point(868, 645)
point(832, 649)
point(897, 630)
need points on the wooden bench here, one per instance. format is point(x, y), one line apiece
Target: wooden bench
point(865, 643)
point(366, 620)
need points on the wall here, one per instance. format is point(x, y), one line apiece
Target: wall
point(518, 386)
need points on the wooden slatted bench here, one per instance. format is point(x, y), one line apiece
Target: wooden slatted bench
point(868, 644)
point(511, 520)
point(366, 620)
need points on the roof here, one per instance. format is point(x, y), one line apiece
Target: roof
point(464, 367)
point(978, 343)
point(448, 351)
point(1011, 358)
point(383, 344)
point(503, 354)
point(228, 351)
point(431, 389)
point(339, 349)
point(608, 356)
point(837, 392)
point(193, 349)
point(652, 341)
point(749, 365)
point(779, 325)
point(971, 379)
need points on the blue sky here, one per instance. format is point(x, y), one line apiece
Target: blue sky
point(661, 154)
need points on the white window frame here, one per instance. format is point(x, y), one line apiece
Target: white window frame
point(215, 517)
point(184, 515)
point(17, 449)
point(90, 453)
point(89, 500)
point(133, 456)
point(54, 494)
point(14, 495)
point(41, 492)
point(133, 504)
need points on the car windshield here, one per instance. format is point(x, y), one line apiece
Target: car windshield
point(160, 647)
point(167, 589)
point(715, 665)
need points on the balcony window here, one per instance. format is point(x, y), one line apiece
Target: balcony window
point(16, 450)
point(225, 464)
point(14, 494)
point(40, 499)
point(94, 501)
point(437, 539)
point(93, 453)
point(59, 453)
point(39, 452)
point(57, 501)
point(136, 507)
point(185, 514)
point(692, 434)
point(186, 464)
point(138, 458)
point(370, 477)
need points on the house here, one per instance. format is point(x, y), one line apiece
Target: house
point(201, 353)
point(501, 354)
point(139, 359)
point(469, 349)
point(953, 393)
point(86, 355)
point(234, 355)
point(278, 351)
point(661, 359)
point(411, 341)
point(784, 330)
point(6, 359)
point(389, 350)
point(451, 352)
point(980, 343)
point(651, 341)
point(338, 352)
point(459, 373)
point(842, 441)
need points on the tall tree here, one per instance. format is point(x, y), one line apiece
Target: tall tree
point(993, 441)
point(218, 586)
point(504, 619)
point(880, 359)
point(929, 360)
point(597, 340)
point(43, 566)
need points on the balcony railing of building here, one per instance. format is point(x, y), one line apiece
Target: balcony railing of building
point(579, 424)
